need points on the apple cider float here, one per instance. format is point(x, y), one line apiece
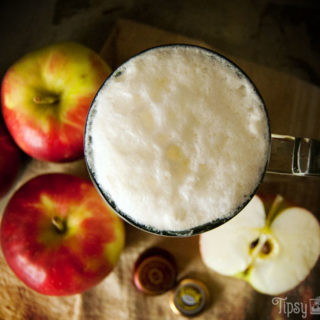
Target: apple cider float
point(177, 140)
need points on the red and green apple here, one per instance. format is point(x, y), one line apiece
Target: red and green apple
point(58, 235)
point(10, 160)
point(46, 96)
point(274, 252)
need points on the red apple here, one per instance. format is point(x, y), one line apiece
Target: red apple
point(46, 96)
point(58, 235)
point(10, 160)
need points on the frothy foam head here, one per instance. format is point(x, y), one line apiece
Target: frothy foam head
point(177, 137)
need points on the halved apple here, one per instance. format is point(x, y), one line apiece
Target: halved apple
point(273, 252)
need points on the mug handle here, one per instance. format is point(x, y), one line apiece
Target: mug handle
point(294, 156)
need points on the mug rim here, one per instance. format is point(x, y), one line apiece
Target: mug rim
point(147, 228)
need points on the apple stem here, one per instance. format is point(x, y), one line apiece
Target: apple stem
point(59, 224)
point(274, 209)
point(45, 100)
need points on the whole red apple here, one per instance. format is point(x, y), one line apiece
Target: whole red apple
point(58, 235)
point(46, 96)
point(10, 160)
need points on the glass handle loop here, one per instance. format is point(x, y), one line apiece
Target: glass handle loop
point(294, 156)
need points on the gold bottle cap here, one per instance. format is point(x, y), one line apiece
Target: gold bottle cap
point(190, 297)
point(155, 272)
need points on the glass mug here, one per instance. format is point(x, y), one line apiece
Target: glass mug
point(285, 154)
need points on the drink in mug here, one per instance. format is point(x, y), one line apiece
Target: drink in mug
point(177, 140)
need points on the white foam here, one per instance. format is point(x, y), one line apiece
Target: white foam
point(177, 138)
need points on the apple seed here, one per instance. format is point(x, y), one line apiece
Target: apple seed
point(266, 248)
point(254, 243)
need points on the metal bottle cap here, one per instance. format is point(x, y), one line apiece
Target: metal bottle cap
point(190, 297)
point(155, 272)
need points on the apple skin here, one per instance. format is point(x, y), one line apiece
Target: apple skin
point(58, 235)
point(46, 96)
point(10, 160)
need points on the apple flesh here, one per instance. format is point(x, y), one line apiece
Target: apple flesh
point(274, 253)
point(46, 96)
point(58, 235)
point(10, 160)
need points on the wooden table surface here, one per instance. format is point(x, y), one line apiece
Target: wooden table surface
point(294, 109)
